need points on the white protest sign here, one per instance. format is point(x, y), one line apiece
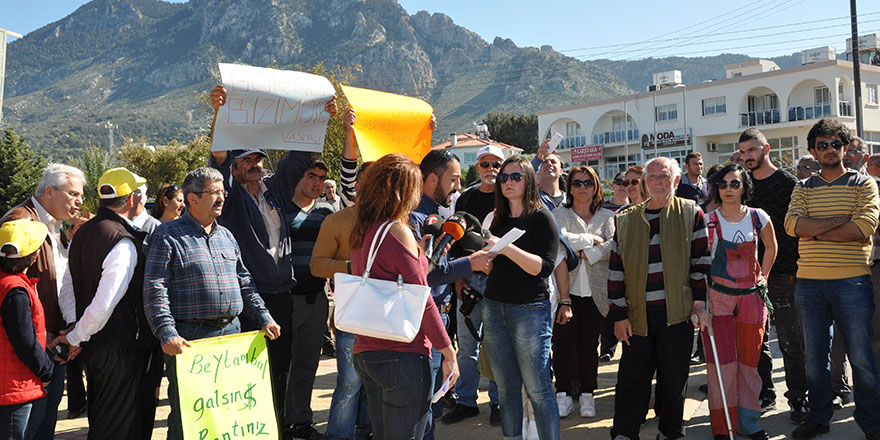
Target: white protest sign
point(272, 109)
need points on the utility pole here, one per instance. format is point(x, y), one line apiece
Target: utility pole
point(857, 74)
point(4, 34)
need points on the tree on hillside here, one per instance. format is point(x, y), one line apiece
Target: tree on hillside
point(167, 164)
point(514, 129)
point(93, 162)
point(20, 170)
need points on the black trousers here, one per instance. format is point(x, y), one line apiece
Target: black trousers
point(666, 349)
point(76, 389)
point(121, 392)
point(280, 306)
point(574, 347)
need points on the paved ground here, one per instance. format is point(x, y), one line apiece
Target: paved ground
point(573, 427)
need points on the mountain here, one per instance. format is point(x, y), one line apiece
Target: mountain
point(139, 68)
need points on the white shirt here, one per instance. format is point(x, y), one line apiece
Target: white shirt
point(741, 231)
point(271, 218)
point(116, 273)
point(59, 252)
point(138, 222)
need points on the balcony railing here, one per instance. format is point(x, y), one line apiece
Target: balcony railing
point(809, 112)
point(764, 117)
point(611, 137)
point(846, 108)
point(573, 141)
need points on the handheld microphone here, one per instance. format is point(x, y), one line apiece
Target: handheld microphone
point(432, 228)
point(454, 227)
point(471, 242)
point(473, 224)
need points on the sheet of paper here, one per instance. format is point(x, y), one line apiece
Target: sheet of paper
point(272, 109)
point(442, 391)
point(389, 123)
point(513, 235)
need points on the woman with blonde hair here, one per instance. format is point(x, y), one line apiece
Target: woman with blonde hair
point(396, 375)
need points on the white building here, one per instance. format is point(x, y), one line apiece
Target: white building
point(466, 146)
point(613, 134)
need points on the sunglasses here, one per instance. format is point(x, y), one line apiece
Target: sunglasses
point(588, 183)
point(733, 184)
point(487, 164)
point(822, 146)
point(516, 177)
point(626, 183)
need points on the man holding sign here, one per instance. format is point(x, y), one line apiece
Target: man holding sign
point(255, 213)
point(195, 284)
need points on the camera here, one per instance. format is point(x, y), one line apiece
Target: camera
point(59, 350)
point(469, 299)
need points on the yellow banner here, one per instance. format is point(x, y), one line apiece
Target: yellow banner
point(389, 123)
point(225, 389)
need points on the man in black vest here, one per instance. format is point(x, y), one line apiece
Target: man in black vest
point(106, 276)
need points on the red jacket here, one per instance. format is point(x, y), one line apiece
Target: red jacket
point(18, 384)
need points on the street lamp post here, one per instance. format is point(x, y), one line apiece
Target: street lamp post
point(4, 34)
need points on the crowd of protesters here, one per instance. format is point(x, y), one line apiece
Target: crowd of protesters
point(233, 249)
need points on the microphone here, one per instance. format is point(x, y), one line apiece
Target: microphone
point(432, 227)
point(471, 242)
point(473, 224)
point(454, 227)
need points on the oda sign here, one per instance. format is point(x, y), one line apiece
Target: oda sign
point(664, 139)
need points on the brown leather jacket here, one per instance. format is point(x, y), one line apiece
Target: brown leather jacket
point(43, 269)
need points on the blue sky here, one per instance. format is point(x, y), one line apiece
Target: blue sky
point(589, 29)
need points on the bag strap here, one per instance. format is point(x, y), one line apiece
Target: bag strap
point(374, 246)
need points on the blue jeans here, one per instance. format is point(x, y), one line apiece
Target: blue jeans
point(435, 410)
point(349, 416)
point(848, 303)
point(189, 332)
point(469, 352)
point(517, 340)
point(14, 420)
point(44, 413)
point(398, 387)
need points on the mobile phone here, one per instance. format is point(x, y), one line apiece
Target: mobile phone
point(555, 140)
point(59, 350)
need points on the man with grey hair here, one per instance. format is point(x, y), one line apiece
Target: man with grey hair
point(58, 197)
point(142, 220)
point(855, 156)
point(330, 195)
point(194, 267)
point(651, 305)
point(806, 166)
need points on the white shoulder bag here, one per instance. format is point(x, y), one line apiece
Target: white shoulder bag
point(382, 309)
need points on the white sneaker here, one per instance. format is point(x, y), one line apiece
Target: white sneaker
point(566, 405)
point(532, 433)
point(587, 405)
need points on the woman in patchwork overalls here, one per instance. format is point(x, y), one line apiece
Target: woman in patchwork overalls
point(737, 301)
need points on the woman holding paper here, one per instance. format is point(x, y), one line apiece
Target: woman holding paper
point(516, 309)
point(588, 228)
point(396, 375)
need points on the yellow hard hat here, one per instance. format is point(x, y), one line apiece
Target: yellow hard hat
point(25, 235)
point(122, 181)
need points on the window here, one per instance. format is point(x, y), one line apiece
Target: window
point(470, 157)
point(822, 95)
point(572, 129)
point(667, 112)
point(871, 94)
point(714, 106)
point(737, 74)
point(617, 123)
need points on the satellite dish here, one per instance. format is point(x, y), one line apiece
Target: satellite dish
point(875, 60)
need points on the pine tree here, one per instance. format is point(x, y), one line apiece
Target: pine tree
point(20, 169)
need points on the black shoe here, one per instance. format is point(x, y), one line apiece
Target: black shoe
point(720, 437)
point(449, 400)
point(760, 435)
point(798, 410)
point(809, 429)
point(304, 431)
point(767, 405)
point(605, 357)
point(459, 413)
point(839, 401)
point(698, 360)
point(495, 415)
point(76, 413)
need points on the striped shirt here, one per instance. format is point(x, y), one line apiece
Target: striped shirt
point(191, 274)
point(655, 291)
point(348, 177)
point(851, 195)
point(304, 226)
